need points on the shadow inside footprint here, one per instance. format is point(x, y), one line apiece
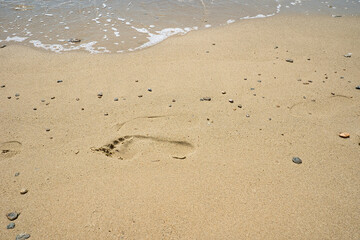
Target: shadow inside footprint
point(152, 148)
point(9, 149)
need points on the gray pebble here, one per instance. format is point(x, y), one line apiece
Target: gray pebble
point(22, 236)
point(59, 81)
point(289, 60)
point(74, 40)
point(149, 89)
point(247, 115)
point(357, 87)
point(12, 216)
point(17, 174)
point(231, 101)
point(252, 89)
point(17, 94)
point(42, 100)
point(2, 46)
point(99, 95)
point(348, 55)
point(206, 99)
point(296, 160)
point(259, 81)
point(116, 99)
point(239, 106)
point(106, 114)
point(10, 226)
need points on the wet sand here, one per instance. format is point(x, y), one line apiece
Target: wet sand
point(137, 168)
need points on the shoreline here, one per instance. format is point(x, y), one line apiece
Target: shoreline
point(160, 163)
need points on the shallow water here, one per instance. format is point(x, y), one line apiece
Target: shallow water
point(118, 26)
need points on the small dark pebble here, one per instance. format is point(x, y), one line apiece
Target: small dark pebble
point(42, 100)
point(82, 109)
point(9, 97)
point(239, 106)
point(52, 98)
point(2, 86)
point(140, 96)
point(252, 88)
point(333, 94)
point(99, 95)
point(357, 87)
point(173, 100)
point(17, 174)
point(22, 236)
point(269, 119)
point(259, 81)
point(2, 46)
point(48, 129)
point(74, 40)
point(170, 105)
point(149, 89)
point(245, 79)
point(59, 81)
point(231, 101)
point(17, 94)
point(77, 99)
point(206, 99)
point(10, 226)
point(223, 92)
point(289, 60)
point(296, 160)
point(34, 109)
point(276, 47)
point(116, 99)
point(106, 114)
point(12, 216)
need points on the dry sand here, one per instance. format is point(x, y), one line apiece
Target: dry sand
point(237, 180)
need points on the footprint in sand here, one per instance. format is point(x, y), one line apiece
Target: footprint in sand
point(152, 138)
point(335, 105)
point(9, 149)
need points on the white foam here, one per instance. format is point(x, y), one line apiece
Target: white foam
point(60, 48)
point(16, 39)
point(230, 21)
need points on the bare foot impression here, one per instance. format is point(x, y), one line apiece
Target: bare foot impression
point(9, 149)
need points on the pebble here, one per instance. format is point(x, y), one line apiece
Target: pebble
point(206, 99)
point(74, 40)
point(77, 99)
point(231, 101)
point(116, 99)
point(2, 46)
point(2, 86)
point(17, 174)
point(106, 114)
point(99, 95)
point(296, 160)
point(223, 92)
point(52, 98)
point(12, 216)
point(289, 60)
point(344, 135)
point(239, 106)
point(10, 226)
point(42, 100)
point(173, 100)
point(23, 191)
point(140, 96)
point(17, 94)
point(170, 105)
point(149, 89)
point(333, 93)
point(48, 129)
point(22, 236)
point(252, 89)
point(247, 115)
point(34, 109)
point(357, 87)
point(276, 47)
point(348, 55)
point(59, 81)
point(9, 97)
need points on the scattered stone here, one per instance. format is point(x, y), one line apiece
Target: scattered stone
point(12, 216)
point(34, 109)
point(2, 46)
point(179, 157)
point(252, 89)
point(231, 101)
point(296, 160)
point(276, 47)
point(82, 109)
point(336, 16)
point(149, 89)
point(140, 96)
point(2, 86)
point(269, 119)
point(223, 92)
point(247, 115)
point(289, 60)
point(206, 99)
point(74, 40)
point(99, 95)
point(245, 79)
point(9, 97)
point(239, 106)
point(10, 226)
point(308, 59)
point(59, 81)
point(333, 93)
point(22, 236)
point(173, 100)
point(52, 98)
point(341, 77)
point(348, 55)
point(48, 129)
point(17, 94)
point(17, 174)
point(77, 99)
point(23, 191)
point(106, 114)
point(170, 105)
point(42, 100)
point(116, 99)
point(344, 135)
point(357, 87)
point(77, 152)
point(259, 81)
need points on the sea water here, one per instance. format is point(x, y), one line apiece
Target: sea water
point(110, 26)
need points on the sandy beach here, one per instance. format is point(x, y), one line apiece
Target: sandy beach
point(164, 162)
